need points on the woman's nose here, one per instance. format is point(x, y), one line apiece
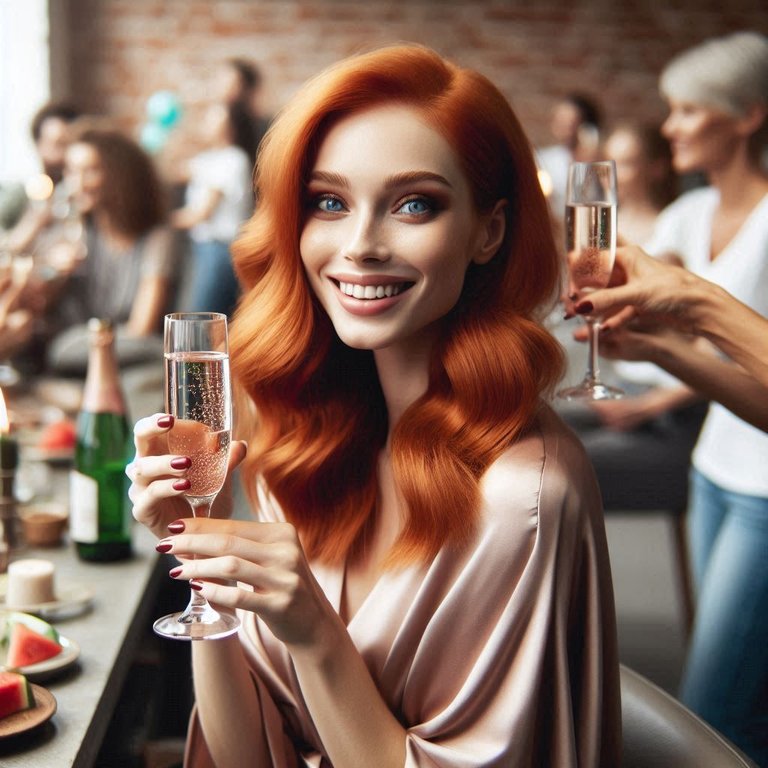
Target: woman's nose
point(367, 240)
point(668, 126)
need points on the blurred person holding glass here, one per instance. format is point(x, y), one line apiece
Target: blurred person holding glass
point(47, 194)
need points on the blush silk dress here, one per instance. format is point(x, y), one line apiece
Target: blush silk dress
point(501, 655)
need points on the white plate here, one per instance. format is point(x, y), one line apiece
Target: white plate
point(71, 600)
point(70, 651)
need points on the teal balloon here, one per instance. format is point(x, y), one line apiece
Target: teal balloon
point(153, 137)
point(164, 108)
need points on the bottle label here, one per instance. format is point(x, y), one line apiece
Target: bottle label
point(83, 508)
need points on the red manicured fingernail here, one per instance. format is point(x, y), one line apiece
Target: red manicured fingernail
point(182, 485)
point(177, 526)
point(568, 315)
point(196, 585)
point(181, 462)
point(165, 422)
point(174, 572)
point(164, 546)
point(584, 307)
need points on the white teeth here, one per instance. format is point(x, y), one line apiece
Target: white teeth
point(370, 291)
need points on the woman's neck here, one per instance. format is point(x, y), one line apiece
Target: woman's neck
point(741, 183)
point(404, 374)
point(114, 237)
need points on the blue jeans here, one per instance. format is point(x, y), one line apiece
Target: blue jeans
point(726, 674)
point(214, 286)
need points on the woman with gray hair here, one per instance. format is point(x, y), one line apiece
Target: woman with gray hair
point(718, 99)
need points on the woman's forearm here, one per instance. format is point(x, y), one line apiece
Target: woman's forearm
point(718, 380)
point(228, 705)
point(736, 329)
point(354, 722)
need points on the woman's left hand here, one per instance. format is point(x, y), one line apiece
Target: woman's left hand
point(267, 562)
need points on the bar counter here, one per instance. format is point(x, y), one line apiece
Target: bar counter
point(108, 635)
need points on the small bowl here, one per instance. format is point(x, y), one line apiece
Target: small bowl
point(44, 523)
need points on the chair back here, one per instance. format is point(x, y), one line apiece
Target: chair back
point(660, 732)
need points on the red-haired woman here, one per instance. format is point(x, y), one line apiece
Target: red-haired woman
point(427, 583)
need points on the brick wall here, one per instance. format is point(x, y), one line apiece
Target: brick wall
point(121, 51)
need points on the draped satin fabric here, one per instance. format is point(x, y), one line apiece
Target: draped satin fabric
point(499, 655)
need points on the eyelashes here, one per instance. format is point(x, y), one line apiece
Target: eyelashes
point(412, 206)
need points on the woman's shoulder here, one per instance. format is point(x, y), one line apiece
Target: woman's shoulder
point(546, 470)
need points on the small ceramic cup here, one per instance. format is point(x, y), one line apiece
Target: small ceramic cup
point(43, 523)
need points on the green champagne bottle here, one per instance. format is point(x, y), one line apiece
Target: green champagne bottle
point(100, 512)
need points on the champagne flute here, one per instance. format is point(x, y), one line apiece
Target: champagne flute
point(199, 397)
point(590, 233)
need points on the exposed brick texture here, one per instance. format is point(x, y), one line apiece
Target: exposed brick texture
point(124, 50)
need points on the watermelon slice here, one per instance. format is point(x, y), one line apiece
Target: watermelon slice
point(15, 693)
point(10, 618)
point(29, 647)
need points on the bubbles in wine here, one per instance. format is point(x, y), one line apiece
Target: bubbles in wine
point(590, 244)
point(198, 388)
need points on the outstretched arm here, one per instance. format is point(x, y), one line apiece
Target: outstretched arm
point(716, 379)
point(673, 297)
point(698, 365)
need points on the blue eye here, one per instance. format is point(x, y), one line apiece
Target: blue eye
point(417, 206)
point(329, 204)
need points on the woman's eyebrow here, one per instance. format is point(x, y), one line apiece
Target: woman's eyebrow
point(334, 179)
point(411, 177)
point(396, 180)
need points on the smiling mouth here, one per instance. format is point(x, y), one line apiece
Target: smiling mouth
point(357, 291)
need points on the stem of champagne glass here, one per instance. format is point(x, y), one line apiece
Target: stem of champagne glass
point(198, 605)
point(593, 365)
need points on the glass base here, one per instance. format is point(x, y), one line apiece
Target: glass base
point(206, 625)
point(591, 390)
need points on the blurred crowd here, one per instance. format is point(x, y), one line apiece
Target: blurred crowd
point(110, 230)
point(126, 229)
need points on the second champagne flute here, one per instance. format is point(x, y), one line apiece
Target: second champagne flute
point(590, 234)
point(199, 398)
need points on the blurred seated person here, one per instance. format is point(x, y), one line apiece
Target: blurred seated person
point(50, 133)
point(127, 273)
point(645, 178)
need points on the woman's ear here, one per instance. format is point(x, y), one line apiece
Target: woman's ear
point(754, 117)
point(492, 231)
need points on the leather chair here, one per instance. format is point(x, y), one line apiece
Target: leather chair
point(659, 732)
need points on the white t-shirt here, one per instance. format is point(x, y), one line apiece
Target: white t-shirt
point(555, 160)
point(730, 452)
point(227, 169)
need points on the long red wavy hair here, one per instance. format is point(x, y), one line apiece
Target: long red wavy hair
point(321, 415)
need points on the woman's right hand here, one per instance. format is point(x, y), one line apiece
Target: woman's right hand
point(159, 479)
